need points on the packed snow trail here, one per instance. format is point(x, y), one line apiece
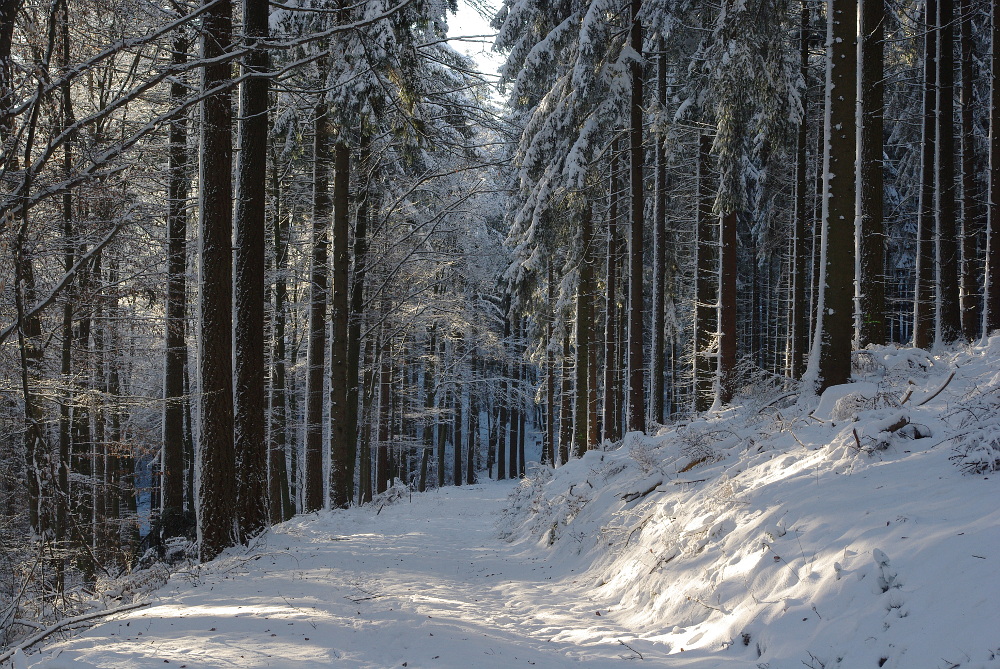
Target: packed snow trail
point(425, 582)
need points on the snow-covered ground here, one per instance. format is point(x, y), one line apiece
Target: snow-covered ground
point(857, 530)
point(421, 583)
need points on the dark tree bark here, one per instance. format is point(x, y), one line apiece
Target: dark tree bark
point(357, 307)
point(728, 336)
point(8, 12)
point(427, 440)
point(368, 412)
point(282, 506)
point(190, 460)
point(548, 452)
point(472, 442)
point(383, 466)
point(835, 320)
point(612, 410)
point(315, 365)
point(74, 507)
point(871, 243)
point(456, 446)
point(513, 412)
point(586, 396)
point(657, 365)
point(106, 544)
point(993, 231)
point(514, 415)
point(923, 292)
point(800, 242)
point(172, 521)
point(250, 404)
point(522, 421)
point(566, 402)
point(505, 403)
point(972, 214)
point(343, 440)
point(636, 363)
point(706, 314)
point(442, 408)
point(946, 213)
point(217, 464)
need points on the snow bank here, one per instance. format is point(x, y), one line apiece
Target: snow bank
point(844, 531)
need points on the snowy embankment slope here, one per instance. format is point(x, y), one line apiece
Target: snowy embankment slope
point(844, 533)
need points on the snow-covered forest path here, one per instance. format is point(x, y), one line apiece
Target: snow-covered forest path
point(423, 583)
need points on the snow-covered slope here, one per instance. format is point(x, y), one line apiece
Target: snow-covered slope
point(857, 530)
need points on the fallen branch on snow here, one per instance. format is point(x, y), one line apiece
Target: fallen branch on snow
point(938, 391)
point(67, 622)
point(630, 496)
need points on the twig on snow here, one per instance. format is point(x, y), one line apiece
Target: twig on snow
point(630, 648)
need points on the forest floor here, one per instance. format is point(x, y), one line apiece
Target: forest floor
point(856, 530)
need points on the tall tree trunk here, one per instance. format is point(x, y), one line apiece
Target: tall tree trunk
point(356, 315)
point(190, 459)
point(472, 440)
point(427, 439)
point(8, 12)
point(992, 279)
point(972, 215)
point(107, 543)
point(549, 452)
point(523, 415)
point(121, 466)
point(71, 504)
point(383, 466)
point(250, 405)
point(706, 314)
point(172, 521)
point(566, 402)
point(923, 291)
point(343, 441)
point(457, 474)
point(799, 340)
point(505, 401)
point(217, 463)
point(612, 410)
point(657, 366)
point(584, 338)
point(946, 214)
point(513, 411)
point(636, 364)
point(442, 408)
point(282, 506)
point(315, 365)
point(728, 336)
point(835, 315)
point(871, 240)
point(368, 410)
